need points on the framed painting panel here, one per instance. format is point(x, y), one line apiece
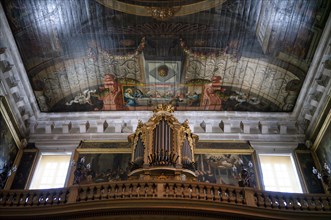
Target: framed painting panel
point(306, 163)
point(108, 161)
point(223, 166)
point(10, 144)
point(23, 174)
point(322, 144)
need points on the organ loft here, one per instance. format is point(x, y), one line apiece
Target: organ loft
point(163, 148)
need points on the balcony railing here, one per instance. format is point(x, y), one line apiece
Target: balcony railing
point(251, 201)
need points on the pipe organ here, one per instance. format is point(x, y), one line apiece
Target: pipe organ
point(163, 147)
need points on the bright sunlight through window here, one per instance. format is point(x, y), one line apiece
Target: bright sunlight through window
point(279, 173)
point(51, 172)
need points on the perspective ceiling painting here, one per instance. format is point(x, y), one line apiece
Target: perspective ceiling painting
point(99, 55)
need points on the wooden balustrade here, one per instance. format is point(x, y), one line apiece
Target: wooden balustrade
point(292, 201)
point(28, 198)
point(175, 191)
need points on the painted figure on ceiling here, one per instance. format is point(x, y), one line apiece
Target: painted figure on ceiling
point(211, 100)
point(82, 98)
point(110, 94)
point(129, 98)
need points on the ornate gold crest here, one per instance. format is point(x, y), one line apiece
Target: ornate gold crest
point(164, 107)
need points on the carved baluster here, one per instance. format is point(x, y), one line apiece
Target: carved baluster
point(218, 194)
point(15, 199)
point(196, 192)
point(290, 203)
point(125, 191)
point(295, 203)
point(183, 190)
point(103, 193)
point(175, 190)
point(326, 204)
point(121, 189)
point(232, 196)
point(311, 203)
point(275, 200)
point(26, 199)
point(179, 191)
point(259, 199)
point(171, 190)
point(188, 192)
point(111, 192)
point(208, 191)
point(240, 196)
point(63, 197)
point(148, 190)
point(130, 191)
point(166, 190)
point(117, 193)
point(193, 191)
point(29, 199)
point(154, 190)
point(133, 190)
point(21, 199)
point(34, 199)
point(225, 195)
point(9, 199)
point(90, 193)
point(41, 198)
point(318, 203)
point(55, 196)
point(96, 192)
point(140, 191)
point(267, 201)
point(45, 197)
point(282, 202)
point(48, 198)
point(82, 194)
point(304, 203)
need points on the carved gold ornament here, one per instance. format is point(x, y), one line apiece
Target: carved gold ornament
point(162, 13)
point(163, 70)
point(164, 107)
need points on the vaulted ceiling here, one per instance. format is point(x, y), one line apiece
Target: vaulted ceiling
point(230, 66)
point(197, 55)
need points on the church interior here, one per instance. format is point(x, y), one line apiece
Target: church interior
point(173, 109)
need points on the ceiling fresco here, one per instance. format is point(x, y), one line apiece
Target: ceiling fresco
point(226, 55)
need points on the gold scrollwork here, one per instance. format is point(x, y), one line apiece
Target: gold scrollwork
point(161, 13)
